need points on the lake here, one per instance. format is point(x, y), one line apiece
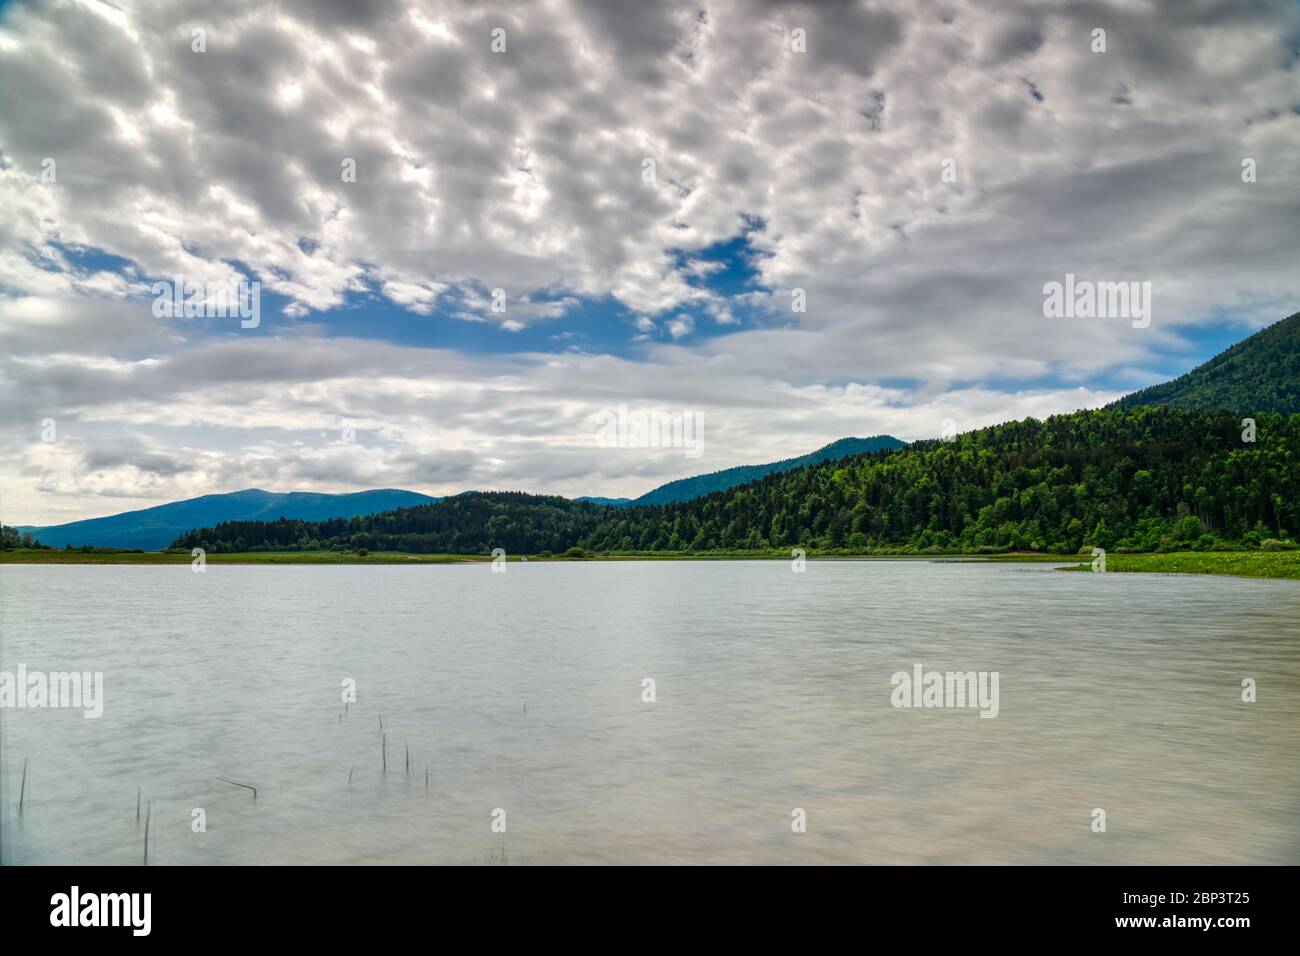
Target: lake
point(522, 696)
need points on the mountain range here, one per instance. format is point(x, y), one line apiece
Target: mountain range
point(152, 529)
point(1150, 478)
point(1258, 376)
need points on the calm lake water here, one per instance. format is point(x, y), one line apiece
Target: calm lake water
point(523, 691)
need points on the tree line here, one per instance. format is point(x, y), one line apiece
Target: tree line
point(1127, 479)
point(1141, 479)
point(11, 539)
point(471, 523)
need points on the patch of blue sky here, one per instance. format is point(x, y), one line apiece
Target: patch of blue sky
point(587, 325)
point(727, 268)
point(86, 261)
point(601, 325)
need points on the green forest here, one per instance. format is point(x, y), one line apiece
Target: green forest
point(1140, 479)
point(1146, 479)
point(472, 523)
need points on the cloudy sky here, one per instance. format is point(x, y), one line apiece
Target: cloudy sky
point(651, 187)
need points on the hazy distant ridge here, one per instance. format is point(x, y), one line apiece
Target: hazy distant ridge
point(152, 529)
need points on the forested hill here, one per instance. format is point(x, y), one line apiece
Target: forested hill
point(1134, 479)
point(471, 523)
point(1142, 479)
point(684, 489)
point(1258, 374)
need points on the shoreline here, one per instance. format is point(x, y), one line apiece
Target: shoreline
point(1251, 564)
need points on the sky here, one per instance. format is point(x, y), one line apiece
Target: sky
point(477, 229)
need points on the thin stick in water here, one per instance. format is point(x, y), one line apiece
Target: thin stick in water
point(22, 794)
point(408, 756)
point(137, 804)
point(236, 783)
point(385, 747)
point(147, 818)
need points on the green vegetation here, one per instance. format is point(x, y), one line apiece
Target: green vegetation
point(1137, 480)
point(1245, 564)
point(1252, 564)
point(472, 523)
point(12, 539)
point(109, 556)
point(1259, 374)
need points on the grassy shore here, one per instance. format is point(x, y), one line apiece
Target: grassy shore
point(1248, 564)
point(1243, 564)
point(251, 557)
point(56, 556)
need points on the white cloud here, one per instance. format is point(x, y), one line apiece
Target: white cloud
point(523, 171)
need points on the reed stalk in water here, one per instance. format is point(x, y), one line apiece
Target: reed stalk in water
point(236, 783)
point(147, 820)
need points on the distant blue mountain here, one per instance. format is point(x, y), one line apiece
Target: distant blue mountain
point(152, 529)
point(686, 489)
